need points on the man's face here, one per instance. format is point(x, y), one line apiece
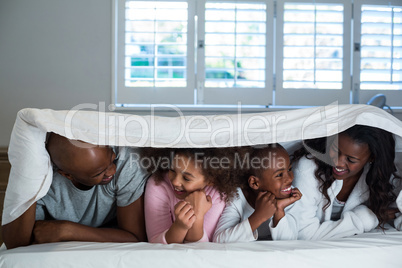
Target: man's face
point(91, 167)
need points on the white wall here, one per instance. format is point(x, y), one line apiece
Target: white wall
point(53, 54)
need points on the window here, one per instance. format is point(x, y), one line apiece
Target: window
point(154, 60)
point(312, 61)
point(256, 52)
point(233, 64)
point(378, 50)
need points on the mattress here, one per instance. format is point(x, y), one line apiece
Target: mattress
point(375, 249)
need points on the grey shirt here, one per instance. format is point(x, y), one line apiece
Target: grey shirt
point(96, 206)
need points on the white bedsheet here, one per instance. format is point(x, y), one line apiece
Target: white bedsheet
point(374, 249)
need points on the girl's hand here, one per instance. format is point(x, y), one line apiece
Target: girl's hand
point(283, 203)
point(200, 202)
point(265, 205)
point(184, 214)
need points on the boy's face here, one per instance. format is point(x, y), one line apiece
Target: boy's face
point(93, 166)
point(185, 176)
point(278, 177)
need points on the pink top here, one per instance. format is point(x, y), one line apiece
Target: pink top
point(159, 210)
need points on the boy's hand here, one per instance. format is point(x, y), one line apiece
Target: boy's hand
point(200, 202)
point(283, 203)
point(184, 214)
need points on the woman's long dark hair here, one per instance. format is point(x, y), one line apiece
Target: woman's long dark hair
point(382, 147)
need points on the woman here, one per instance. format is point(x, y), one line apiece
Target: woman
point(348, 190)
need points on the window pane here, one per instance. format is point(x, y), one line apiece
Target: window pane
point(235, 44)
point(313, 46)
point(156, 36)
point(381, 52)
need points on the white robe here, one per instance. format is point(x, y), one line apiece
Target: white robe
point(308, 221)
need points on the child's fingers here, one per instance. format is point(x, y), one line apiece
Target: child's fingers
point(269, 196)
point(296, 191)
point(180, 205)
point(192, 219)
point(296, 194)
point(266, 197)
point(261, 194)
point(188, 210)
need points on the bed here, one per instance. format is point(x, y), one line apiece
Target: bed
point(31, 174)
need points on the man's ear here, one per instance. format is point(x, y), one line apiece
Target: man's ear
point(254, 182)
point(64, 174)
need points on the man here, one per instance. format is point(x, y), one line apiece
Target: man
point(93, 188)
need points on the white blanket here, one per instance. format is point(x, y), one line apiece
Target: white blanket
point(369, 250)
point(31, 171)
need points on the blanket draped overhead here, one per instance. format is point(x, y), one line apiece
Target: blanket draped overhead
point(31, 171)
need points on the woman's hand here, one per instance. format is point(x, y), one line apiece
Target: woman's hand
point(391, 213)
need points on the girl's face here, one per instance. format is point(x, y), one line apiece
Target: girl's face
point(278, 178)
point(348, 158)
point(185, 176)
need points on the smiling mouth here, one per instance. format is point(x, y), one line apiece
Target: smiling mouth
point(178, 191)
point(339, 171)
point(108, 179)
point(287, 190)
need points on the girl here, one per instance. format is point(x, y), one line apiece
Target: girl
point(348, 190)
point(262, 200)
point(186, 195)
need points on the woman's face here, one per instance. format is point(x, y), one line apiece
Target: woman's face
point(185, 176)
point(348, 158)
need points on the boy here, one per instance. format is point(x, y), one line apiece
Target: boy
point(92, 185)
point(261, 202)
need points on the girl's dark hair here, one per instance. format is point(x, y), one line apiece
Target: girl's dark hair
point(218, 165)
point(381, 144)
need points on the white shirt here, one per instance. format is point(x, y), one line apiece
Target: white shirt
point(233, 225)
